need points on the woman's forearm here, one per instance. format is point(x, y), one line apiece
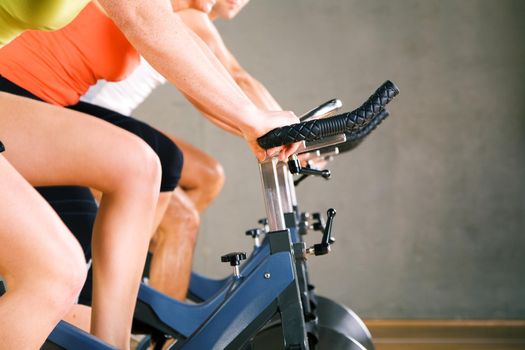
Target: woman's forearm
point(226, 125)
point(160, 36)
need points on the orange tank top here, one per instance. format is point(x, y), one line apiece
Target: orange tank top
point(60, 66)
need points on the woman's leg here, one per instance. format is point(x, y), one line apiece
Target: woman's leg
point(54, 146)
point(171, 158)
point(79, 316)
point(41, 261)
point(77, 208)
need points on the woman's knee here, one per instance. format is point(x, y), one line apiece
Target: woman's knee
point(69, 267)
point(57, 273)
point(171, 158)
point(138, 168)
point(74, 279)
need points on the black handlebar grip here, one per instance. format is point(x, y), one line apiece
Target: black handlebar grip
point(346, 122)
point(353, 139)
point(354, 136)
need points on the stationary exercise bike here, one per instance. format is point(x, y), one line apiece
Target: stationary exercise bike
point(325, 315)
point(270, 290)
point(169, 317)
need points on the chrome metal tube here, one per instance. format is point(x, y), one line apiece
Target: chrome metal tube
point(272, 198)
point(284, 190)
point(325, 110)
point(325, 142)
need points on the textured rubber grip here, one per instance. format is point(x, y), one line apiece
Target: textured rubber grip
point(346, 122)
point(355, 138)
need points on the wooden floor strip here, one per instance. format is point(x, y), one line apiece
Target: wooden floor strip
point(448, 334)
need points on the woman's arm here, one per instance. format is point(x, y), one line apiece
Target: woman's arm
point(201, 25)
point(160, 36)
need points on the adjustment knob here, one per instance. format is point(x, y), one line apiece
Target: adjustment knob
point(324, 247)
point(264, 223)
point(234, 259)
point(331, 214)
point(254, 232)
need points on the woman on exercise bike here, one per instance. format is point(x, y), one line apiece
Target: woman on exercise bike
point(50, 145)
point(202, 177)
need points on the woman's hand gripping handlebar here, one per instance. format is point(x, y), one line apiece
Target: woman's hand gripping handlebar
point(343, 123)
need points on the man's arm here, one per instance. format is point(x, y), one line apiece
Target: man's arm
point(201, 25)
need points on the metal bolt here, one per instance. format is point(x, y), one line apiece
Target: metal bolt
point(267, 275)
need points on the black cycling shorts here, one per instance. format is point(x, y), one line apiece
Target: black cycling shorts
point(169, 154)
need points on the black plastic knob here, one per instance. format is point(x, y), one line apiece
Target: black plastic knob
point(234, 258)
point(263, 221)
point(254, 232)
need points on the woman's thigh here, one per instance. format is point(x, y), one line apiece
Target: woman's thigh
point(171, 158)
point(31, 234)
point(50, 145)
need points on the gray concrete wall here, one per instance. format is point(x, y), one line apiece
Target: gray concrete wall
point(431, 209)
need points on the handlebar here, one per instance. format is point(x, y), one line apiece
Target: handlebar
point(342, 123)
point(355, 138)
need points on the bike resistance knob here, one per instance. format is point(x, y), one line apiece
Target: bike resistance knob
point(234, 259)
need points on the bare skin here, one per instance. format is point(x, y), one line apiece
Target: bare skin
point(202, 25)
point(174, 242)
point(202, 176)
point(170, 273)
point(203, 188)
point(57, 261)
point(159, 35)
point(90, 154)
point(36, 147)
